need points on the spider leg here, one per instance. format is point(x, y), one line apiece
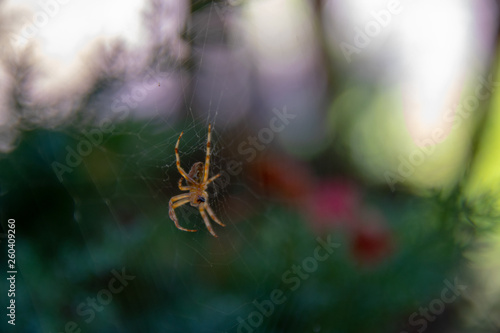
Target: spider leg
point(212, 179)
point(212, 215)
point(207, 158)
point(183, 188)
point(181, 200)
point(207, 222)
point(178, 161)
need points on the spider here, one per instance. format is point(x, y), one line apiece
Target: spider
point(197, 182)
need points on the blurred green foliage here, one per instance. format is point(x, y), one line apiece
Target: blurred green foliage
point(105, 216)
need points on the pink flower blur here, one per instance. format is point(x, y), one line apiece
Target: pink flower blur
point(334, 203)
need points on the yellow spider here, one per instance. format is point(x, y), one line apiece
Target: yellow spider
point(197, 182)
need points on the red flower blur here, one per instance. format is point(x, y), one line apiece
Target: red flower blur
point(283, 178)
point(329, 204)
point(334, 203)
point(337, 204)
point(371, 240)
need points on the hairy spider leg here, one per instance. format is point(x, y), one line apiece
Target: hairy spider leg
point(212, 179)
point(207, 158)
point(178, 161)
point(183, 188)
point(212, 215)
point(207, 222)
point(181, 200)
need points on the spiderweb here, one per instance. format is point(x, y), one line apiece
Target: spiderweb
point(120, 194)
point(134, 183)
point(146, 156)
point(134, 173)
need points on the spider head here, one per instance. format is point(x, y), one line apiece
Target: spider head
point(201, 199)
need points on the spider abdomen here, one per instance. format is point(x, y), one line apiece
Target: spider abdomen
point(196, 172)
